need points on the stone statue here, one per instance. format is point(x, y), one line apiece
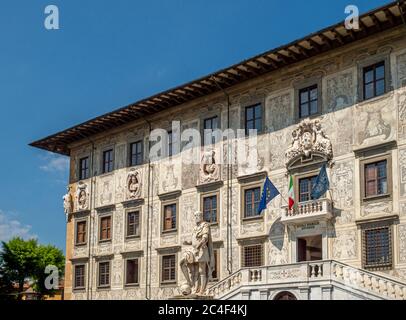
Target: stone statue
point(67, 203)
point(197, 263)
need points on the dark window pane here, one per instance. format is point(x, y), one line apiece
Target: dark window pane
point(304, 110)
point(313, 107)
point(380, 87)
point(132, 271)
point(369, 91)
point(252, 256)
point(380, 72)
point(250, 114)
point(369, 76)
point(313, 94)
point(304, 96)
point(252, 198)
point(378, 247)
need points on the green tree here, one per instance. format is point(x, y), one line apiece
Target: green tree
point(19, 259)
point(48, 255)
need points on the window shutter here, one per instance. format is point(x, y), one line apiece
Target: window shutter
point(371, 180)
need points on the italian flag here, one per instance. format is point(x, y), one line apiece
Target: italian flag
point(291, 196)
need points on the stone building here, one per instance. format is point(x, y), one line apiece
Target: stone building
point(337, 96)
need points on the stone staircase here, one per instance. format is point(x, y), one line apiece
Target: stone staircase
point(319, 280)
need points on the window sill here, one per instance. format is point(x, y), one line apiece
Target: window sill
point(132, 237)
point(79, 289)
point(168, 284)
point(377, 197)
point(169, 231)
point(131, 285)
point(107, 287)
point(374, 99)
point(105, 241)
point(83, 244)
point(254, 218)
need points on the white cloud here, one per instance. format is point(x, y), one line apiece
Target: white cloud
point(10, 227)
point(55, 163)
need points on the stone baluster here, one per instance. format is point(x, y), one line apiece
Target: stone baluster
point(382, 287)
point(367, 281)
point(398, 292)
point(375, 284)
point(391, 289)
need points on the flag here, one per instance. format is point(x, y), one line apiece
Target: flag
point(321, 184)
point(268, 193)
point(291, 194)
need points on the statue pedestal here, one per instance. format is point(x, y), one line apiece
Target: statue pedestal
point(191, 297)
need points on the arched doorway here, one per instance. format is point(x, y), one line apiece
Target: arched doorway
point(285, 295)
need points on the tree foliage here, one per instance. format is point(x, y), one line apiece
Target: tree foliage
point(21, 260)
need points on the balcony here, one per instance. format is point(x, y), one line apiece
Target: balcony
point(309, 211)
point(311, 280)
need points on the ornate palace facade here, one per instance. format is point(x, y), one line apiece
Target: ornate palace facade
point(337, 96)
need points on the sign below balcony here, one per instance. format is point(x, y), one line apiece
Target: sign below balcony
point(309, 211)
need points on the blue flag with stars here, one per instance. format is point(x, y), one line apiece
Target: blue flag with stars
point(268, 193)
point(321, 184)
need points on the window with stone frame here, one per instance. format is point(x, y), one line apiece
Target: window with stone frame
point(168, 268)
point(84, 168)
point(81, 232)
point(210, 208)
point(169, 217)
point(133, 224)
point(79, 273)
point(132, 271)
point(136, 153)
point(108, 161)
point(210, 124)
point(308, 101)
point(105, 228)
point(253, 118)
point(104, 274)
point(253, 255)
point(377, 246)
point(252, 197)
point(305, 188)
point(376, 178)
point(374, 80)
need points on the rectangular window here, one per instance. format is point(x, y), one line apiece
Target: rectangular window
point(253, 118)
point(133, 224)
point(81, 232)
point(377, 247)
point(84, 168)
point(308, 101)
point(170, 143)
point(108, 161)
point(210, 124)
point(374, 80)
point(79, 276)
point(131, 277)
point(169, 216)
point(210, 209)
point(216, 270)
point(376, 180)
point(169, 268)
point(104, 274)
point(105, 228)
point(305, 188)
point(136, 153)
point(252, 198)
point(253, 255)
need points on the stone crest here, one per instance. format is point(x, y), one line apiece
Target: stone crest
point(209, 168)
point(82, 197)
point(308, 138)
point(134, 184)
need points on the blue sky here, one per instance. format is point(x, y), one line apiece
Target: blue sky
point(107, 54)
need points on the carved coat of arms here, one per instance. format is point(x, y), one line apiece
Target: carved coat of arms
point(309, 138)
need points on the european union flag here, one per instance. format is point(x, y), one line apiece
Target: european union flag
point(321, 184)
point(268, 193)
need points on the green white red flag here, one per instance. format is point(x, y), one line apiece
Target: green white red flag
point(291, 199)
